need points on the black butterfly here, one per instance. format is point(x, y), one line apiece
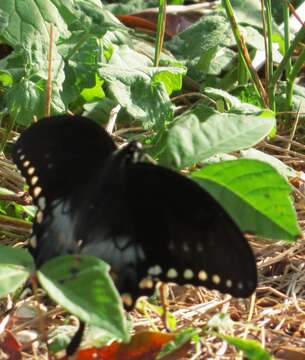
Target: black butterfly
point(146, 221)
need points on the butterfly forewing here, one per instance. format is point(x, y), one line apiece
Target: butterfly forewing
point(60, 153)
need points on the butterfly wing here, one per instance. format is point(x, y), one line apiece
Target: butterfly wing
point(153, 223)
point(60, 153)
point(186, 236)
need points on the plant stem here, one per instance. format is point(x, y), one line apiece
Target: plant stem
point(289, 85)
point(269, 53)
point(265, 32)
point(243, 51)
point(287, 57)
point(160, 31)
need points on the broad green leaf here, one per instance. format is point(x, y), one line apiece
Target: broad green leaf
point(83, 286)
point(202, 132)
point(252, 349)
point(25, 25)
point(208, 32)
point(141, 92)
point(16, 265)
point(249, 12)
point(20, 19)
point(27, 99)
point(254, 194)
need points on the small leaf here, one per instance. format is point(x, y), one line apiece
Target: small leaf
point(16, 265)
point(83, 286)
point(174, 346)
point(251, 348)
point(254, 194)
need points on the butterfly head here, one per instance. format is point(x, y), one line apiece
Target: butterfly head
point(133, 152)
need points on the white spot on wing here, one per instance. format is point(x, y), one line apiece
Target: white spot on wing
point(33, 242)
point(216, 279)
point(155, 270)
point(34, 180)
point(127, 299)
point(22, 157)
point(229, 283)
point(199, 246)
point(240, 285)
point(172, 273)
point(185, 247)
point(37, 190)
point(26, 163)
point(202, 275)
point(31, 170)
point(39, 217)
point(42, 202)
point(146, 283)
point(188, 274)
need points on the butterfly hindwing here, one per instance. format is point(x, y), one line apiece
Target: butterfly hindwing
point(188, 238)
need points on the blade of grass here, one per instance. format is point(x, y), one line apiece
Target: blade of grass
point(160, 31)
point(287, 57)
point(286, 47)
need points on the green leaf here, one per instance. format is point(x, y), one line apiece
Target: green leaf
point(208, 32)
point(18, 22)
point(16, 265)
point(27, 99)
point(21, 20)
point(202, 132)
point(83, 286)
point(232, 102)
point(254, 194)
point(215, 60)
point(142, 92)
point(252, 349)
point(181, 338)
point(6, 78)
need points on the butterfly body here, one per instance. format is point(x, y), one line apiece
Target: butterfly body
point(146, 221)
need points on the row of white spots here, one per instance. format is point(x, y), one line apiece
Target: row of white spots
point(36, 190)
point(188, 274)
point(185, 246)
